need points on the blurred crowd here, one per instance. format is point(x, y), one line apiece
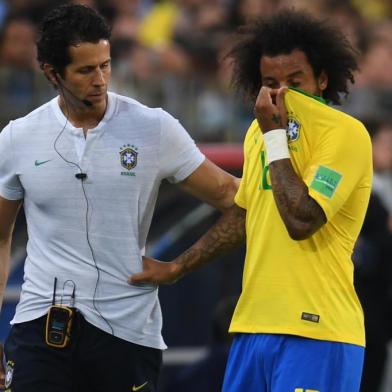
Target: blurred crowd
point(171, 53)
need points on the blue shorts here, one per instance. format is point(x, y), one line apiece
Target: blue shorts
point(286, 363)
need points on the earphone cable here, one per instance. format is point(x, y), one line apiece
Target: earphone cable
point(86, 217)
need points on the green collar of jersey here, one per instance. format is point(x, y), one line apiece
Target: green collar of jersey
point(316, 97)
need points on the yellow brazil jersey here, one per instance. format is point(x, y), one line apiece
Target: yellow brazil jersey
point(305, 287)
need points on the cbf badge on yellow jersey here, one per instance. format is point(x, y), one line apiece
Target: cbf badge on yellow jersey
point(293, 128)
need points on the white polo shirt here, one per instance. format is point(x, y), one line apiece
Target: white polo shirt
point(125, 157)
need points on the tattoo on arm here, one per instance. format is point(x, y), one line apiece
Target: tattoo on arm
point(301, 214)
point(277, 119)
point(226, 234)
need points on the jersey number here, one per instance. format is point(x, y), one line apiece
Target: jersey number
point(264, 184)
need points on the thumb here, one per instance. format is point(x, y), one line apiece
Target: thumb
point(140, 277)
point(144, 275)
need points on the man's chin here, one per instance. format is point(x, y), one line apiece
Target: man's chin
point(96, 99)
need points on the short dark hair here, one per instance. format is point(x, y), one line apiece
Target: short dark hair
point(326, 48)
point(65, 26)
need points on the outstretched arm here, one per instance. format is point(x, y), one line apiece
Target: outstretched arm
point(226, 234)
point(216, 187)
point(212, 185)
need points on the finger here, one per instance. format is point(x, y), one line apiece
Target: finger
point(264, 96)
point(263, 105)
point(141, 277)
point(280, 103)
point(280, 99)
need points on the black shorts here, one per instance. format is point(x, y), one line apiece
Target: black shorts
point(94, 361)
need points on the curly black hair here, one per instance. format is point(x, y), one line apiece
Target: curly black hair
point(64, 26)
point(326, 48)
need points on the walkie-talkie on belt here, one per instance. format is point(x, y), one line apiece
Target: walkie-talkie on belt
point(59, 322)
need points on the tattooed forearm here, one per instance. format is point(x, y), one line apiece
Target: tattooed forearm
point(226, 234)
point(300, 213)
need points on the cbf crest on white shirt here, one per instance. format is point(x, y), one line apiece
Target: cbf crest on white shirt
point(128, 158)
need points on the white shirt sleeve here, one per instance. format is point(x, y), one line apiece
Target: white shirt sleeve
point(10, 186)
point(179, 156)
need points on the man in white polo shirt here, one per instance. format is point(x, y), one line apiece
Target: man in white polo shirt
point(87, 167)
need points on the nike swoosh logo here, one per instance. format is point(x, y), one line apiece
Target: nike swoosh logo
point(38, 163)
point(139, 387)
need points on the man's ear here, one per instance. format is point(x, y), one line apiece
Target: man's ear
point(51, 74)
point(323, 81)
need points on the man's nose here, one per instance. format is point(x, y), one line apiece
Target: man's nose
point(99, 78)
